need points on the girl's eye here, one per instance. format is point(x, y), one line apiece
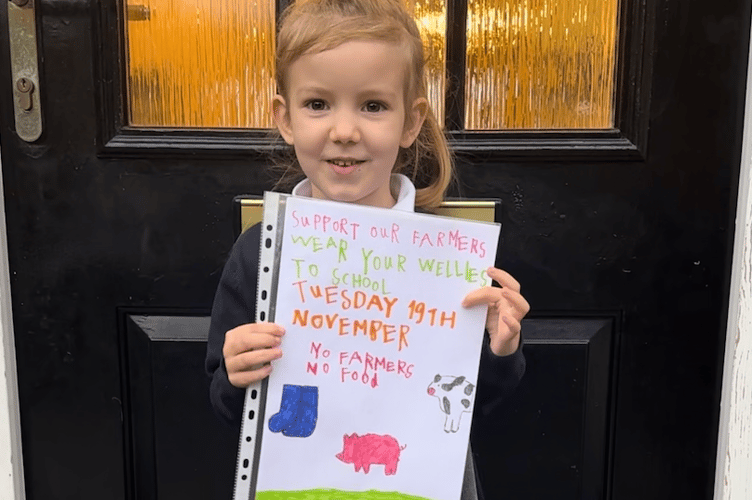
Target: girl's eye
point(374, 107)
point(316, 105)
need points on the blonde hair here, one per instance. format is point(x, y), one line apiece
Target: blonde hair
point(313, 26)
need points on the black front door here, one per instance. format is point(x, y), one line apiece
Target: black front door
point(116, 243)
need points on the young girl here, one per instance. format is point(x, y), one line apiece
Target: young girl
point(352, 105)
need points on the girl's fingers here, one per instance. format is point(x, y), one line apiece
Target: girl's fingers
point(486, 295)
point(248, 350)
point(256, 328)
point(506, 308)
point(506, 342)
point(517, 301)
point(513, 324)
point(238, 346)
point(493, 296)
point(489, 295)
point(252, 336)
point(503, 278)
point(246, 378)
point(251, 360)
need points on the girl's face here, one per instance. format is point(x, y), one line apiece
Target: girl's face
point(345, 116)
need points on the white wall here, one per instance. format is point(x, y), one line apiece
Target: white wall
point(733, 477)
point(11, 466)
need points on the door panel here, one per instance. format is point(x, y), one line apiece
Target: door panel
point(554, 427)
point(646, 241)
point(551, 440)
point(178, 449)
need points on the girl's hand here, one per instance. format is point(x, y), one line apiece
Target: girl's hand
point(248, 350)
point(506, 308)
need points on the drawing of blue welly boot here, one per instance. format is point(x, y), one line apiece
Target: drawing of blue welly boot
point(298, 411)
point(308, 412)
point(288, 408)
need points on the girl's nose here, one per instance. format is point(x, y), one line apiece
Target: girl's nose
point(344, 128)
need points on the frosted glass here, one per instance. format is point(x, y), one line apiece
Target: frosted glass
point(540, 64)
point(430, 16)
point(210, 63)
point(200, 63)
point(531, 64)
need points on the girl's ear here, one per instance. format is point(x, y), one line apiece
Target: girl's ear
point(282, 118)
point(414, 119)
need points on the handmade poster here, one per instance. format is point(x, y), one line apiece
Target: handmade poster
point(374, 393)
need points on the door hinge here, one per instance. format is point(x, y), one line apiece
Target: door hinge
point(25, 69)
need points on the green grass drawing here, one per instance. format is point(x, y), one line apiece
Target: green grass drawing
point(324, 494)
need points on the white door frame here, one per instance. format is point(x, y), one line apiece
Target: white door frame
point(733, 477)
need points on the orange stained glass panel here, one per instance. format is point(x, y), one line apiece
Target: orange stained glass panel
point(210, 63)
point(430, 16)
point(200, 63)
point(540, 64)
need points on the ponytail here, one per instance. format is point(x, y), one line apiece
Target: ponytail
point(428, 163)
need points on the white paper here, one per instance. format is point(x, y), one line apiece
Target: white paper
point(400, 277)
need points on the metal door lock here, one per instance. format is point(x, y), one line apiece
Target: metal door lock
point(25, 87)
point(27, 104)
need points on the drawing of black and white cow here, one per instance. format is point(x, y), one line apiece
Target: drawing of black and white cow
point(455, 395)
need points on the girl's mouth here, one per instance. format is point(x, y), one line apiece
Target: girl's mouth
point(345, 166)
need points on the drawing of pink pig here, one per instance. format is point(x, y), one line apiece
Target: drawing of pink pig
point(362, 451)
